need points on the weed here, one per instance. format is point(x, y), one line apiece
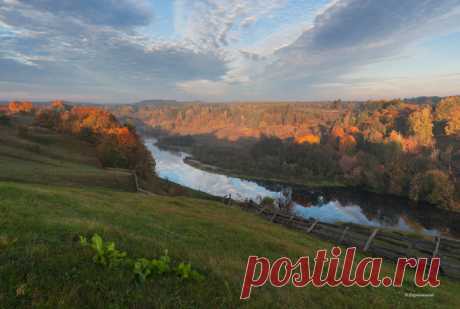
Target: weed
point(185, 272)
point(108, 256)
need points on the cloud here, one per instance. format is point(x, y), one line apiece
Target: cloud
point(231, 49)
point(95, 49)
point(116, 13)
point(349, 33)
point(343, 37)
point(216, 24)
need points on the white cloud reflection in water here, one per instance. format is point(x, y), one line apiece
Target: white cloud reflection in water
point(170, 165)
point(334, 211)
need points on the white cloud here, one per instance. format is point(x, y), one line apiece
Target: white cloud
point(215, 24)
point(48, 47)
point(349, 34)
point(221, 48)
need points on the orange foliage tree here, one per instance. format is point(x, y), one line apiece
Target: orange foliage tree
point(309, 139)
point(20, 107)
point(117, 145)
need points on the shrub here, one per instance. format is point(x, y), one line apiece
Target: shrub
point(268, 201)
point(433, 186)
point(110, 155)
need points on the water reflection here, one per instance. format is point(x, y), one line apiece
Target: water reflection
point(335, 206)
point(170, 165)
point(334, 211)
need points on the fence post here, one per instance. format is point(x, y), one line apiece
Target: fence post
point(437, 240)
point(274, 216)
point(369, 240)
point(345, 230)
point(136, 182)
point(312, 226)
point(262, 210)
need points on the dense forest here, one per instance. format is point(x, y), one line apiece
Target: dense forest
point(407, 147)
point(233, 121)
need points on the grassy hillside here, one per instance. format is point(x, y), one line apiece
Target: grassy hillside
point(49, 198)
point(36, 155)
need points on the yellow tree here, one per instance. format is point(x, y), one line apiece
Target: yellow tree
point(448, 111)
point(421, 126)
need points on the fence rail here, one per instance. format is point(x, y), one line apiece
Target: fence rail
point(386, 243)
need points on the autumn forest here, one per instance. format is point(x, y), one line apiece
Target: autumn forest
point(409, 148)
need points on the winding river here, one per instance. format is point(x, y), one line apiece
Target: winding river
point(327, 205)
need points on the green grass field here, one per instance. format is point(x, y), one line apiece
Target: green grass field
point(48, 199)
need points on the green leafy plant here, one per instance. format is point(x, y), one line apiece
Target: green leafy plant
point(144, 268)
point(162, 265)
point(185, 272)
point(106, 254)
point(83, 241)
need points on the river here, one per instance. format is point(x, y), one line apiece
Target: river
point(327, 205)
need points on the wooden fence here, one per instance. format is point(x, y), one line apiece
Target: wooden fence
point(385, 243)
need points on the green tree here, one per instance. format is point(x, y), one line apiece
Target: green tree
point(433, 186)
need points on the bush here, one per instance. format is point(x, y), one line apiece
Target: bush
point(268, 201)
point(110, 156)
point(433, 186)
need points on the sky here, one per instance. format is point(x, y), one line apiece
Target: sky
point(123, 51)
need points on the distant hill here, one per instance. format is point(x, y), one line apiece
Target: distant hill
point(424, 100)
point(156, 102)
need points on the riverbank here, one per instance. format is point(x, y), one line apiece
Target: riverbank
point(283, 182)
point(279, 183)
point(189, 160)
